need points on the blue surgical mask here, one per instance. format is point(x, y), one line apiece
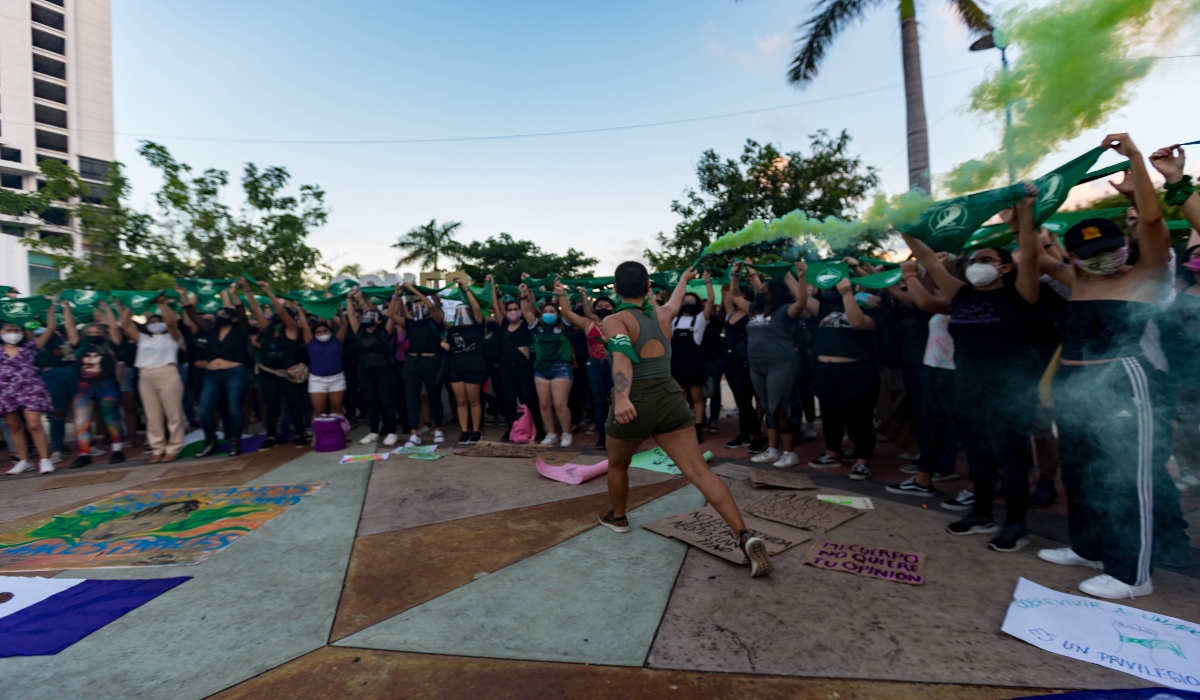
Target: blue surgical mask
point(549, 319)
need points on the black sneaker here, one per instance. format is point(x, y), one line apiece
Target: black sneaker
point(909, 469)
point(116, 457)
point(269, 443)
point(825, 461)
point(860, 472)
point(756, 555)
point(965, 500)
point(235, 448)
point(505, 437)
point(1045, 495)
point(474, 438)
point(740, 441)
point(973, 525)
point(301, 441)
point(602, 445)
point(948, 475)
point(80, 462)
point(713, 427)
point(757, 444)
point(1010, 539)
point(620, 524)
point(464, 439)
point(209, 448)
point(848, 456)
point(910, 487)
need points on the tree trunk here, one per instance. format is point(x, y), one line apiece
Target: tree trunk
point(914, 99)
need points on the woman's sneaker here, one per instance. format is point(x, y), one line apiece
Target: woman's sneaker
point(567, 440)
point(46, 466)
point(909, 469)
point(787, 459)
point(826, 461)
point(965, 500)
point(438, 436)
point(860, 472)
point(1065, 556)
point(948, 475)
point(463, 439)
point(973, 525)
point(369, 439)
point(770, 455)
point(740, 441)
point(756, 555)
point(910, 487)
point(1105, 586)
point(1010, 539)
point(22, 467)
point(615, 524)
point(550, 439)
point(80, 462)
point(474, 438)
point(390, 440)
point(757, 445)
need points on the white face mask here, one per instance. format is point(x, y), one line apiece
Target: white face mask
point(323, 338)
point(12, 338)
point(981, 274)
point(157, 327)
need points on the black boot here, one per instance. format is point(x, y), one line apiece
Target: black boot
point(116, 457)
point(235, 447)
point(80, 462)
point(209, 448)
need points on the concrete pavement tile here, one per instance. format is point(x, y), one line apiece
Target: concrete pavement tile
point(596, 598)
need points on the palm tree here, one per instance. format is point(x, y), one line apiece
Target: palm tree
point(833, 15)
point(352, 270)
point(424, 244)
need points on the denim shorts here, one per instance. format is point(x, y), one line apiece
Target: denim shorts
point(559, 370)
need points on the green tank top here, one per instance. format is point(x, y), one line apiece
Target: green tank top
point(650, 367)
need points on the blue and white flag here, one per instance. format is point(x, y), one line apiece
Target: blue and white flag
point(43, 616)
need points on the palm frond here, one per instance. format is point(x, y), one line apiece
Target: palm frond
point(973, 16)
point(820, 31)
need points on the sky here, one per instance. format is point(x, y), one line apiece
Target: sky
point(232, 73)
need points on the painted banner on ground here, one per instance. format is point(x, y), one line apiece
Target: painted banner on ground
point(43, 616)
point(804, 512)
point(657, 460)
point(147, 528)
point(373, 457)
point(1157, 648)
point(785, 480)
point(872, 562)
point(860, 502)
point(706, 530)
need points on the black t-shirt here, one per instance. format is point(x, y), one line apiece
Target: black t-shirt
point(493, 348)
point(374, 350)
point(514, 340)
point(466, 348)
point(278, 350)
point(992, 331)
point(95, 362)
point(913, 328)
point(424, 337)
point(835, 337)
point(710, 344)
point(56, 353)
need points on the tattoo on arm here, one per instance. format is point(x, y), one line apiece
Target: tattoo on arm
point(621, 383)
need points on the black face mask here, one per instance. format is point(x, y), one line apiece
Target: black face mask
point(603, 313)
point(253, 330)
point(831, 296)
point(761, 300)
point(96, 339)
point(223, 321)
point(492, 326)
point(690, 309)
point(277, 321)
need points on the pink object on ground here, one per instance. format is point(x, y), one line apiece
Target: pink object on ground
point(523, 430)
point(573, 474)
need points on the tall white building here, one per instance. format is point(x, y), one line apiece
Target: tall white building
point(55, 102)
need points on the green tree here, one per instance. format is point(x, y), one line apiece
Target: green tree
point(505, 258)
point(832, 16)
point(765, 183)
point(352, 270)
point(427, 243)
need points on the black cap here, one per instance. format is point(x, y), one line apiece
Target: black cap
point(1091, 236)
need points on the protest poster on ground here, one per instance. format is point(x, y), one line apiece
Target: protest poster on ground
point(1156, 648)
point(657, 460)
point(415, 449)
point(859, 502)
point(802, 511)
point(356, 459)
point(730, 470)
point(485, 448)
point(147, 528)
point(554, 459)
point(784, 480)
point(872, 562)
point(706, 530)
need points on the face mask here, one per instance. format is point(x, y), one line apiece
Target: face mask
point(463, 320)
point(981, 274)
point(276, 321)
point(549, 319)
point(13, 338)
point(223, 321)
point(761, 300)
point(603, 313)
point(370, 318)
point(420, 312)
point(96, 339)
point(1106, 262)
point(157, 327)
point(253, 330)
point(38, 333)
point(690, 308)
point(513, 315)
point(324, 338)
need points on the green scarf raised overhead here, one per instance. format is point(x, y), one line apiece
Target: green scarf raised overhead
point(202, 287)
point(826, 275)
point(22, 310)
point(326, 307)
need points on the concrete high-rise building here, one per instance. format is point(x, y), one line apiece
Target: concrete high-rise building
point(55, 102)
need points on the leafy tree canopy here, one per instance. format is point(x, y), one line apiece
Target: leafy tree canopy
point(765, 183)
point(505, 258)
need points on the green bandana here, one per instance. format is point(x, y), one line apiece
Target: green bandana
point(83, 297)
point(342, 287)
point(645, 307)
point(304, 295)
point(879, 280)
point(775, 271)
point(621, 344)
point(325, 308)
point(667, 279)
point(22, 310)
point(139, 301)
point(826, 275)
point(1054, 186)
point(208, 305)
point(204, 287)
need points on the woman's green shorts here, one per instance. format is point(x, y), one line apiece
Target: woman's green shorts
point(661, 408)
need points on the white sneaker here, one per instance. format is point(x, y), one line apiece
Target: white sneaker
point(788, 459)
point(424, 429)
point(1067, 557)
point(770, 455)
point(906, 455)
point(46, 466)
point(371, 437)
point(22, 467)
point(413, 441)
point(438, 437)
point(550, 439)
point(56, 457)
point(1105, 586)
point(566, 440)
point(390, 440)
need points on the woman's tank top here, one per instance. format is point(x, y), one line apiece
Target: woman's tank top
point(650, 367)
point(1104, 329)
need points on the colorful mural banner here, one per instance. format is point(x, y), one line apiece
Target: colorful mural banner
point(147, 528)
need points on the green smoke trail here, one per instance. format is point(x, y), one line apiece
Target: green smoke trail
point(1073, 71)
point(884, 213)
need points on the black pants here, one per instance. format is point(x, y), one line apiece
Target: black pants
point(517, 379)
point(808, 373)
point(737, 373)
point(422, 371)
point(993, 411)
point(352, 400)
point(278, 391)
point(937, 411)
point(494, 402)
point(1122, 507)
point(848, 392)
point(378, 386)
point(401, 394)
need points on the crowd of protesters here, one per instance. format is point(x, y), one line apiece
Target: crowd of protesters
point(1079, 355)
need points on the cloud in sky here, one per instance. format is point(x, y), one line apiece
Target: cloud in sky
point(765, 56)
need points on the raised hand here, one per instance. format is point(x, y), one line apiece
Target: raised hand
point(1169, 162)
point(908, 267)
point(1121, 143)
point(843, 286)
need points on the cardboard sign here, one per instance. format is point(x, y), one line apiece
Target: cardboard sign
point(732, 471)
point(706, 530)
point(804, 512)
point(484, 448)
point(872, 562)
point(785, 480)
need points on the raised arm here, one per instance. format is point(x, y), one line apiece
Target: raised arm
point(69, 322)
point(305, 330)
point(110, 320)
point(127, 328)
point(1153, 237)
point(190, 316)
point(51, 326)
point(671, 308)
point(921, 296)
point(351, 314)
point(239, 311)
point(798, 288)
point(1170, 161)
point(476, 311)
point(735, 291)
point(564, 304)
point(170, 318)
point(858, 320)
point(527, 304)
point(1029, 272)
point(256, 308)
point(709, 304)
point(948, 283)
